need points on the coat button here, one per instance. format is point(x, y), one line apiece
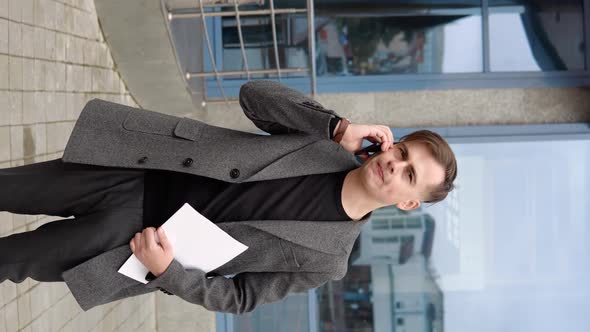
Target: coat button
point(234, 173)
point(187, 162)
point(142, 160)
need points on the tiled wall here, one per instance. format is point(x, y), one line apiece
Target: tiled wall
point(53, 59)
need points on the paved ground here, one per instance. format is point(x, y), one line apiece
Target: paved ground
point(52, 60)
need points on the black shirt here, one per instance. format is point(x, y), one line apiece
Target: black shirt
point(311, 197)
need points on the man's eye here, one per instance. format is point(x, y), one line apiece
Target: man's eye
point(404, 153)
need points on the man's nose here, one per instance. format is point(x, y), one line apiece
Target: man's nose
point(396, 165)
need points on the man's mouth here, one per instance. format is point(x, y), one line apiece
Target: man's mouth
point(380, 171)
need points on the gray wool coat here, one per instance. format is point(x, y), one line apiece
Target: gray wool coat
point(283, 256)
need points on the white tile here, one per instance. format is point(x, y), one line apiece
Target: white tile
point(50, 76)
point(8, 290)
point(11, 316)
point(15, 39)
point(103, 55)
point(29, 74)
point(16, 73)
point(77, 102)
point(75, 79)
point(40, 74)
point(29, 107)
point(89, 52)
point(60, 76)
point(40, 13)
point(122, 88)
point(87, 79)
point(77, 50)
point(3, 35)
point(60, 106)
point(40, 302)
point(50, 43)
point(39, 36)
point(51, 114)
point(17, 219)
point(40, 324)
point(4, 70)
point(59, 16)
point(69, 24)
point(15, 106)
point(57, 292)
point(28, 11)
point(4, 149)
point(16, 142)
point(40, 138)
point(4, 110)
point(15, 10)
point(28, 40)
point(23, 287)
point(24, 310)
point(5, 228)
point(4, 8)
point(53, 137)
point(41, 99)
point(49, 13)
point(69, 48)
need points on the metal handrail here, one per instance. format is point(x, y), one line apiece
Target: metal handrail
point(241, 72)
point(278, 71)
point(259, 12)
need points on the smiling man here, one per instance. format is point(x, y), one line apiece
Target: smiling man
point(297, 198)
point(421, 167)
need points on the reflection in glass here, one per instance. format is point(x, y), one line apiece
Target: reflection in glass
point(399, 42)
point(363, 38)
point(508, 250)
point(258, 43)
point(390, 285)
point(511, 246)
point(536, 35)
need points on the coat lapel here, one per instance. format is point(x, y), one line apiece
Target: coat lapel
point(322, 156)
point(330, 237)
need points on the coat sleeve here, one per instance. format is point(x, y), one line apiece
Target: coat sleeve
point(242, 293)
point(277, 109)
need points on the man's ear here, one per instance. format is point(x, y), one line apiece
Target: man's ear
point(408, 205)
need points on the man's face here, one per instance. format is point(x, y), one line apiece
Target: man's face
point(402, 175)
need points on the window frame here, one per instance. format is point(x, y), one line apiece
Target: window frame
point(464, 134)
point(412, 82)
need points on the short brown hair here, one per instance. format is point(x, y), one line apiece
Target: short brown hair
point(442, 153)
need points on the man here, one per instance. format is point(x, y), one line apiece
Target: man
point(297, 198)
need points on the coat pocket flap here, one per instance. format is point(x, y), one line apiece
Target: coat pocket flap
point(150, 122)
point(189, 128)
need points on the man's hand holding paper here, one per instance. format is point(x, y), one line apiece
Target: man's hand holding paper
point(186, 236)
point(155, 256)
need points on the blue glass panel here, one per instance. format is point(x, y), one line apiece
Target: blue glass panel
point(506, 251)
point(537, 35)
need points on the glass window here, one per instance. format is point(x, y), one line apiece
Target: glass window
point(510, 252)
point(536, 35)
point(378, 223)
point(385, 239)
point(364, 38)
point(397, 222)
point(401, 37)
point(414, 222)
point(257, 36)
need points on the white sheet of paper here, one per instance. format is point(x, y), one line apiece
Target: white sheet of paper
point(198, 244)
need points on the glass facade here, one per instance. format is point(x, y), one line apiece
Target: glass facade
point(538, 35)
point(359, 42)
point(506, 251)
point(395, 43)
